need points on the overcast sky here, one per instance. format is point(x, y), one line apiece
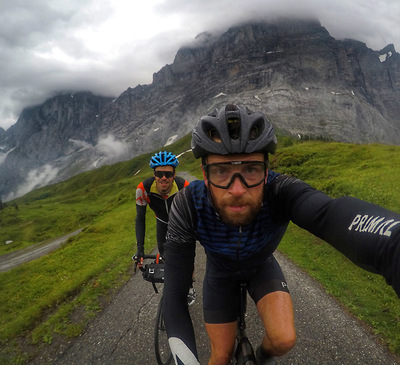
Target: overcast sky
point(106, 46)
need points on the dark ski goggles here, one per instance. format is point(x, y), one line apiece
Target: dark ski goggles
point(222, 174)
point(167, 174)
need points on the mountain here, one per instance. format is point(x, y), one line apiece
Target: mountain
point(308, 83)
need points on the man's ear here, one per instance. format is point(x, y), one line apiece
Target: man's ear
point(204, 176)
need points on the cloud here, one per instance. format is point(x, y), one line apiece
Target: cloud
point(106, 46)
point(36, 178)
point(108, 149)
point(111, 150)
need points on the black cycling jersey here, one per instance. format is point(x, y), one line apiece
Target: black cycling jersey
point(366, 233)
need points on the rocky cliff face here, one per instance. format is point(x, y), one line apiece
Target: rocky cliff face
point(48, 139)
point(307, 83)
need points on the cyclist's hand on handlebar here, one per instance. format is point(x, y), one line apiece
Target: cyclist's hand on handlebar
point(138, 258)
point(140, 254)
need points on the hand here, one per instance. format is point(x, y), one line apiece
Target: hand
point(139, 254)
point(138, 258)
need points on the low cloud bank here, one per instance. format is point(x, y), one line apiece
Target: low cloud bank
point(108, 150)
point(36, 178)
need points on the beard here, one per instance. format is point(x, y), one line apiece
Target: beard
point(253, 207)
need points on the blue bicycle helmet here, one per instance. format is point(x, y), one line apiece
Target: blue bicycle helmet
point(163, 158)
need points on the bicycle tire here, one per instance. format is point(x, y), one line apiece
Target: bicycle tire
point(161, 346)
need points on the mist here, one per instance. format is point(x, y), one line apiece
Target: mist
point(36, 178)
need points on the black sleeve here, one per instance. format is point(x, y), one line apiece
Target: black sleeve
point(179, 251)
point(140, 226)
point(367, 234)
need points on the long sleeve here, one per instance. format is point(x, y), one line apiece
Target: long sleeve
point(366, 233)
point(179, 251)
point(140, 226)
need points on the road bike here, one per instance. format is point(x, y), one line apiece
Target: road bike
point(153, 271)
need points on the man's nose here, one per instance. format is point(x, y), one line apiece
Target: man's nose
point(237, 188)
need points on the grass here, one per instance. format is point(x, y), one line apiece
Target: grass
point(45, 296)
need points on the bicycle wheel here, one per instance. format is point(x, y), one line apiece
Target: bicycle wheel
point(161, 346)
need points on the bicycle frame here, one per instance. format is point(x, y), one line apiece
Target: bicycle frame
point(244, 353)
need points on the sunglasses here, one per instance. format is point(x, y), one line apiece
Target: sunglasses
point(222, 175)
point(167, 174)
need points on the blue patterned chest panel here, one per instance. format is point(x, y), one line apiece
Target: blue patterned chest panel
point(234, 241)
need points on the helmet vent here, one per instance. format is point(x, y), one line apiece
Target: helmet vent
point(212, 132)
point(256, 129)
point(234, 128)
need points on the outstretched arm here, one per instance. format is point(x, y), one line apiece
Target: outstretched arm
point(367, 234)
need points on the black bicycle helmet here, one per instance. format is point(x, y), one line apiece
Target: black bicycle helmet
point(234, 129)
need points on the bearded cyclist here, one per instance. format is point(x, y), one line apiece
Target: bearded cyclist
point(239, 214)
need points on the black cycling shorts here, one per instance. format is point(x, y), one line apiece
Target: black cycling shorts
point(221, 290)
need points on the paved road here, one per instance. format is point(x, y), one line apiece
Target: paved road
point(123, 332)
point(13, 259)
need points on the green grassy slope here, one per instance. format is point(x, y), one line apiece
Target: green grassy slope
point(43, 294)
